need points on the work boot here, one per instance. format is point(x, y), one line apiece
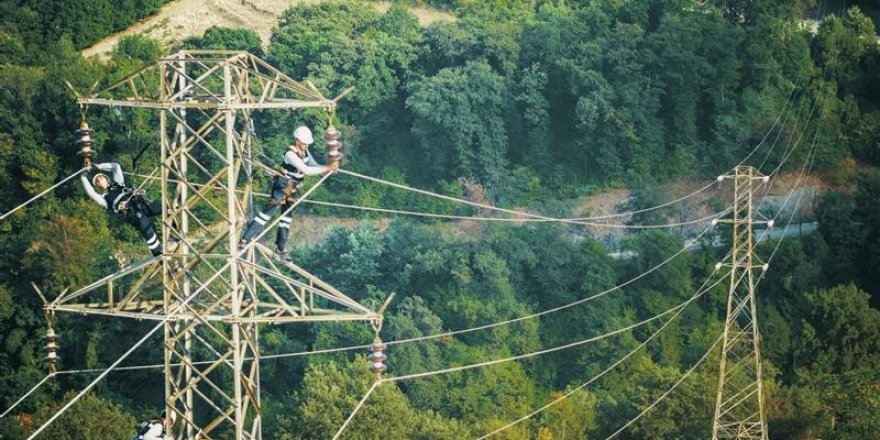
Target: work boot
point(282, 254)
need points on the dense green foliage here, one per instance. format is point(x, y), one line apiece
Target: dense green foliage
point(522, 102)
point(27, 27)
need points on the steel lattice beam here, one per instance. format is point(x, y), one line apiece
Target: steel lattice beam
point(211, 294)
point(739, 404)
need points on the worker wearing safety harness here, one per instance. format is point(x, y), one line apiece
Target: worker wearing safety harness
point(125, 201)
point(155, 429)
point(298, 163)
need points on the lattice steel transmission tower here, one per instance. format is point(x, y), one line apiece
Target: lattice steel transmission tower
point(739, 405)
point(210, 294)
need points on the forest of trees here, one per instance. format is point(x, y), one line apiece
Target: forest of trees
point(538, 103)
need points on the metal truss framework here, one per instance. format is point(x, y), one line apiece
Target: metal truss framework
point(739, 405)
point(210, 294)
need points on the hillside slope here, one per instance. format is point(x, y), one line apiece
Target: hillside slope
point(182, 19)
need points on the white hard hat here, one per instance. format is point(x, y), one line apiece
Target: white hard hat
point(304, 135)
point(99, 176)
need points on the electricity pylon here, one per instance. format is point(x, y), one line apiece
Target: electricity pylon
point(739, 406)
point(210, 293)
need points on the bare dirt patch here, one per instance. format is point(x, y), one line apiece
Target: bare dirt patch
point(182, 19)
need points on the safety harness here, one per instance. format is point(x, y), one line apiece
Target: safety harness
point(294, 177)
point(120, 198)
point(144, 428)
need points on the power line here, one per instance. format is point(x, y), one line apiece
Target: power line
point(118, 361)
point(667, 392)
point(479, 205)
point(528, 355)
point(604, 372)
point(540, 352)
point(702, 359)
point(63, 181)
point(357, 408)
point(392, 342)
point(602, 225)
point(521, 220)
point(25, 396)
point(402, 341)
point(167, 318)
point(652, 336)
point(784, 159)
point(577, 221)
point(806, 167)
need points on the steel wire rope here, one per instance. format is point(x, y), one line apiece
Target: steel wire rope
point(25, 396)
point(150, 177)
point(565, 220)
point(810, 157)
point(608, 369)
point(789, 151)
point(788, 101)
point(786, 109)
point(417, 338)
point(515, 220)
point(456, 369)
point(791, 100)
point(806, 168)
point(536, 217)
point(776, 140)
point(44, 192)
point(579, 221)
point(672, 388)
point(686, 374)
point(479, 218)
point(575, 220)
point(691, 370)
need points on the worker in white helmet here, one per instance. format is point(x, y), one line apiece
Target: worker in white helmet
point(155, 429)
point(298, 163)
point(124, 201)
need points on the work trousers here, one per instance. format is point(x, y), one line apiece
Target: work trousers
point(283, 190)
point(140, 214)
